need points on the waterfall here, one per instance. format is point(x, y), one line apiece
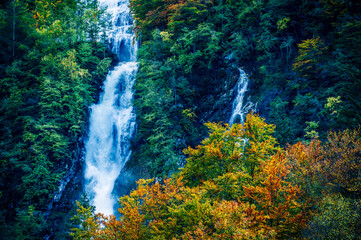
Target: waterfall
point(112, 120)
point(239, 108)
point(238, 111)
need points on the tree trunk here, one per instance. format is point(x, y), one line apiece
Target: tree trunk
point(14, 28)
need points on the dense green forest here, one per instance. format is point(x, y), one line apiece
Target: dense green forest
point(296, 176)
point(54, 57)
point(303, 60)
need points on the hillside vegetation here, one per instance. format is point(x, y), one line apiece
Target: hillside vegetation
point(53, 61)
point(302, 57)
point(291, 171)
point(232, 188)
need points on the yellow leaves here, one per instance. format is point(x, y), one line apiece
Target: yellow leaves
point(282, 23)
point(71, 69)
point(189, 117)
point(333, 104)
point(257, 130)
point(230, 149)
point(227, 186)
point(337, 219)
point(88, 223)
point(334, 8)
point(43, 11)
point(309, 57)
point(142, 188)
point(166, 37)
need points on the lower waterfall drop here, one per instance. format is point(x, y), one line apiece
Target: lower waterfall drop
point(112, 120)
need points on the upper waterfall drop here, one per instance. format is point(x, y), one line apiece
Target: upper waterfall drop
point(121, 36)
point(112, 120)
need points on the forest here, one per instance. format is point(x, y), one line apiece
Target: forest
point(292, 170)
point(54, 58)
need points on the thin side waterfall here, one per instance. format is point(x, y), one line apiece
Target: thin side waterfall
point(240, 107)
point(112, 120)
point(238, 110)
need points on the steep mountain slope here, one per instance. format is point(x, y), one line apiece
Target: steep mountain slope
point(302, 58)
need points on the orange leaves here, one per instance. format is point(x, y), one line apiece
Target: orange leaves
point(130, 226)
point(324, 169)
point(342, 160)
point(154, 203)
point(277, 198)
point(337, 163)
point(306, 165)
point(187, 13)
point(237, 220)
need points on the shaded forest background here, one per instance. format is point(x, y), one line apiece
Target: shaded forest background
point(303, 60)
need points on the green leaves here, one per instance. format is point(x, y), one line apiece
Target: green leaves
point(336, 219)
point(29, 224)
point(198, 47)
point(47, 86)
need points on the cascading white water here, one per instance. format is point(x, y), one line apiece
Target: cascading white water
point(112, 120)
point(238, 110)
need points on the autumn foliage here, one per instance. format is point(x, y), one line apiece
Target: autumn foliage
point(161, 14)
point(239, 184)
point(230, 149)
